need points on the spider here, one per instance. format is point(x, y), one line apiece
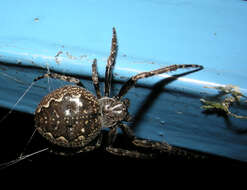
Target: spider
point(72, 118)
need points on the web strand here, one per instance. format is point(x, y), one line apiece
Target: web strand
point(17, 102)
point(20, 158)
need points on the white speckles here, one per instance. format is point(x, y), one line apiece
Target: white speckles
point(77, 100)
point(81, 138)
point(57, 115)
point(67, 112)
point(82, 130)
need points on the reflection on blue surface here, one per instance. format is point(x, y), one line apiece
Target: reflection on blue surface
point(66, 36)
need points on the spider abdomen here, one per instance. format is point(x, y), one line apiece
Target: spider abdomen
point(69, 117)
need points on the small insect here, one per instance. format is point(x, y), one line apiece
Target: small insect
point(72, 118)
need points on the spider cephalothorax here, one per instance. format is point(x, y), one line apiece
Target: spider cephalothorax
point(113, 111)
point(73, 117)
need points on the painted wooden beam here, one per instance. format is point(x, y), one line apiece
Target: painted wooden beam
point(61, 36)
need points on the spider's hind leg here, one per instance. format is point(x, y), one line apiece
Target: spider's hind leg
point(162, 147)
point(112, 134)
point(128, 153)
point(60, 77)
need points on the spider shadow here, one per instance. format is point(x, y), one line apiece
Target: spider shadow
point(156, 91)
point(227, 119)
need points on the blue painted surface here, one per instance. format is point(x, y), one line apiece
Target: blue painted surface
point(151, 34)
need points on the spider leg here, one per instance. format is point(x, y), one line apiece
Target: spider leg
point(128, 153)
point(112, 134)
point(61, 77)
point(92, 147)
point(95, 78)
point(160, 146)
point(132, 81)
point(110, 63)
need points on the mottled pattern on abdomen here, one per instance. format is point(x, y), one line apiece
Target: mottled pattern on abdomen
point(69, 117)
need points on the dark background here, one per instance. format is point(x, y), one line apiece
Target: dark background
point(16, 129)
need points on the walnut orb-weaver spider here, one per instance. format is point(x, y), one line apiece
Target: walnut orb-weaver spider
point(71, 117)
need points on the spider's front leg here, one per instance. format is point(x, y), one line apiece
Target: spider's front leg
point(132, 81)
point(110, 63)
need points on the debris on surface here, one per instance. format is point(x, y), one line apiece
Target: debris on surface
point(36, 19)
point(57, 57)
point(228, 96)
point(70, 56)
